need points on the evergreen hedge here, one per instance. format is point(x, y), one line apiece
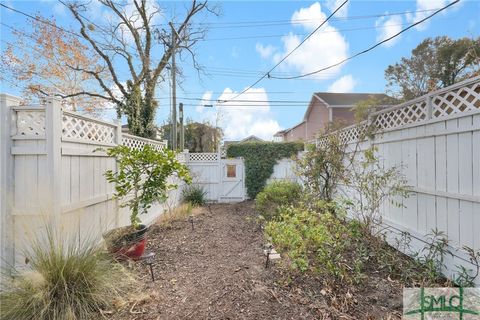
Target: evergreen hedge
point(260, 158)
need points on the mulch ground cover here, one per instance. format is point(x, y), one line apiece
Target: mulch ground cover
point(217, 271)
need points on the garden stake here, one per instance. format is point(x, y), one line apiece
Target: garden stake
point(148, 258)
point(209, 209)
point(191, 221)
point(269, 250)
point(151, 270)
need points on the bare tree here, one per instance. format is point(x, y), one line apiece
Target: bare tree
point(130, 37)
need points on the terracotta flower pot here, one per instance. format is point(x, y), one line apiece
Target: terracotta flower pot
point(126, 242)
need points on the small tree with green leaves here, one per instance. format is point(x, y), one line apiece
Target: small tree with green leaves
point(142, 177)
point(322, 168)
point(373, 184)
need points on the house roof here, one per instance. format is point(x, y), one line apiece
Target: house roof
point(347, 99)
point(341, 100)
point(283, 132)
point(247, 139)
point(251, 138)
point(335, 100)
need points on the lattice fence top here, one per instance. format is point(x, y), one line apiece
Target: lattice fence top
point(409, 113)
point(135, 142)
point(203, 157)
point(461, 97)
point(28, 122)
point(81, 128)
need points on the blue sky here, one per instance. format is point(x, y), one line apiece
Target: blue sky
point(251, 36)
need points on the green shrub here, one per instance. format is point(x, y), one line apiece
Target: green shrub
point(260, 158)
point(316, 241)
point(275, 195)
point(69, 280)
point(194, 195)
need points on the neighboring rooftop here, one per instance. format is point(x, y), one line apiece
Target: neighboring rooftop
point(251, 138)
point(348, 99)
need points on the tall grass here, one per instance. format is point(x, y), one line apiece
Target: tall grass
point(69, 280)
point(194, 195)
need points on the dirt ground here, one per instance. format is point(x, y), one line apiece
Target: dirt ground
point(217, 271)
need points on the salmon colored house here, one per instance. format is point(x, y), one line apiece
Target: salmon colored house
point(325, 107)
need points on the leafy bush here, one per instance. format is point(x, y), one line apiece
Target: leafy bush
point(194, 195)
point(260, 158)
point(373, 184)
point(322, 168)
point(275, 195)
point(141, 179)
point(323, 242)
point(313, 240)
point(67, 280)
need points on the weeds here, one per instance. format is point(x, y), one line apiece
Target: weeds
point(466, 277)
point(178, 213)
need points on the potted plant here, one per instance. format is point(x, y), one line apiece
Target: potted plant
point(141, 179)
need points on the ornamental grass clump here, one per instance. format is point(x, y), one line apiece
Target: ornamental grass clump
point(194, 195)
point(71, 280)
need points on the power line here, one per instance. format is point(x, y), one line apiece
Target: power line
point(251, 76)
point(366, 50)
point(249, 93)
point(292, 51)
point(40, 20)
point(303, 34)
point(216, 100)
point(267, 23)
point(249, 105)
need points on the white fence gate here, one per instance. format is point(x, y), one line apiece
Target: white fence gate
point(222, 179)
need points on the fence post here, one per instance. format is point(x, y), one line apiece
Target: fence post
point(429, 107)
point(6, 179)
point(369, 130)
point(118, 134)
point(53, 135)
point(118, 142)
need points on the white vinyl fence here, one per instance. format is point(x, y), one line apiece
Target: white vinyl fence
point(52, 169)
point(435, 141)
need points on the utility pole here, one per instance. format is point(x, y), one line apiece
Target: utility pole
point(182, 129)
point(174, 90)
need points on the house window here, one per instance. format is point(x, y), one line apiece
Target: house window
point(231, 170)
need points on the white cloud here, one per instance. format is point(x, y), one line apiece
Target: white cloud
point(324, 48)
point(241, 119)
point(265, 51)
point(345, 84)
point(334, 4)
point(206, 100)
point(387, 27)
point(422, 7)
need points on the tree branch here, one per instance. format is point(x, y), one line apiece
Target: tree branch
point(101, 53)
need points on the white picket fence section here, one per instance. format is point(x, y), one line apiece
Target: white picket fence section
point(435, 141)
point(52, 169)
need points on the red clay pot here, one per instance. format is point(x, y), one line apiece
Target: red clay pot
point(126, 244)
